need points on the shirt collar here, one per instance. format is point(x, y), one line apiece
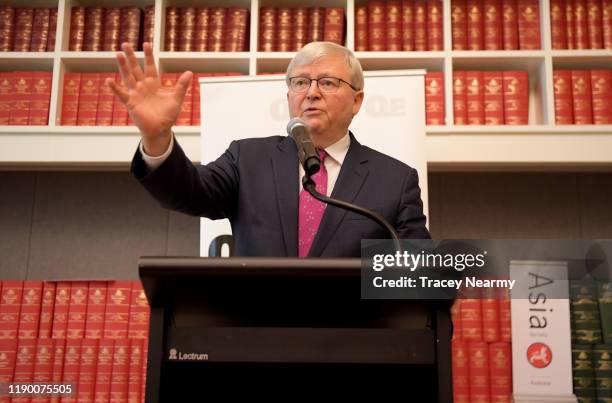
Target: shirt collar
point(338, 150)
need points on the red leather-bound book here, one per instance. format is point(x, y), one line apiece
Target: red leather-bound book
point(148, 26)
point(195, 113)
point(471, 319)
point(475, 25)
point(394, 25)
point(562, 87)
point(24, 365)
point(435, 33)
point(479, 371)
point(104, 110)
point(96, 309)
point(77, 29)
point(22, 91)
point(237, 25)
point(500, 372)
point(570, 24)
point(24, 19)
point(333, 28)
point(135, 370)
point(407, 25)
point(43, 366)
point(420, 25)
point(510, 24)
point(459, 98)
point(77, 310)
point(104, 369)
point(594, 22)
point(493, 105)
point(459, 24)
point(475, 97)
point(171, 35)
point(201, 29)
point(72, 364)
point(186, 30)
point(8, 354)
point(516, 97)
point(120, 113)
point(6, 92)
point(601, 89)
point(434, 98)
point(7, 28)
point(283, 29)
point(46, 310)
point(40, 98)
point(581, 96)
point(70, 98)
point(88, 99)
point(29, 316)
point(460, 368)
point(606, 7)
point(377, 26)
point(581, 24)
point(316, 18)
point(10, 307)
point(130, 26)
point(112, 28)
point(267, 29)
point(121, 368)
point(117, 309)
point(558, 24)
point(218, 22)
point(490, 312)
point(87, 371)
point(529, 24)
point(57, 373)
point(138, 327)
point(493, 36)
point(40, 29)
point(60, 310)
point(361, 28)
point(94, 29)
point(300, 28)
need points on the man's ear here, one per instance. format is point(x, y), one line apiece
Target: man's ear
point(358, 101)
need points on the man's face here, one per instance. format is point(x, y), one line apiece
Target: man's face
point(327, 114)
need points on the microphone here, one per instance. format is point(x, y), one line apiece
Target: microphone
point(307, 154)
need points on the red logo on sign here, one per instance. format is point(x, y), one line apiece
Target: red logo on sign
point(539, 355)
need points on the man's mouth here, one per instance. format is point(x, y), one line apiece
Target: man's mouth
point(311, 110)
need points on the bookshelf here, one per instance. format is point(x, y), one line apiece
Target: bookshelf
point(540, 144)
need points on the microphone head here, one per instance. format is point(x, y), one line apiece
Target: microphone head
point(293, 124)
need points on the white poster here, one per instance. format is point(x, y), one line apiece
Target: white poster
point(391, 120)
point(541, 342)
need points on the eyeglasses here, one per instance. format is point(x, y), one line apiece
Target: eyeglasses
point(325, 84)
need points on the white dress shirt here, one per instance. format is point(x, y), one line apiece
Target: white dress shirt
point(333, 162)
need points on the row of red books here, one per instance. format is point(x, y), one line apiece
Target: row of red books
point(482, 372)
point(100, 370)
point(491, 97)
point(216, 29)
point(495, 24)
point(87, 101)
point(285, 29)
point(97, 28)
point(394, 25)
point(73, 310)
point(25, 97)
point(27, 29)
point(581, 24)
point(482, 319)
point(583, 97)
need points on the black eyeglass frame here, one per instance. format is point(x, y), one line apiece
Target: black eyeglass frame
point(317, 80)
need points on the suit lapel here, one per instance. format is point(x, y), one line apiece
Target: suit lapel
point(285, 171)
point(352, 175)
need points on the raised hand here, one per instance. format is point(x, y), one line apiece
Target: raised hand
point(153, 108)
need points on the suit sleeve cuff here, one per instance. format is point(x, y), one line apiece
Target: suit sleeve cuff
point(153, 163)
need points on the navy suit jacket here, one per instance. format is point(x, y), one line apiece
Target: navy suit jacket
point(255, 184)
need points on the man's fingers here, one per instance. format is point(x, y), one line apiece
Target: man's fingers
point(127, 77)
point(182, 85)
point(150, 68)
point(120, 92)
point(133, 63)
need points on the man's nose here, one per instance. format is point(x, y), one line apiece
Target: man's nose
point(313, 90)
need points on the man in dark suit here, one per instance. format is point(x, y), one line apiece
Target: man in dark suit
point(256, 183)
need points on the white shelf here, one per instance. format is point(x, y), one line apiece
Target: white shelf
point(449, 146)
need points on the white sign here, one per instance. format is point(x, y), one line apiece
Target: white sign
point(391, 120)
point(541, 343)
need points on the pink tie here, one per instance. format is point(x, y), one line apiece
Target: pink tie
point(311, 210)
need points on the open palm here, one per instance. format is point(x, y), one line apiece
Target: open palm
point(153, 108)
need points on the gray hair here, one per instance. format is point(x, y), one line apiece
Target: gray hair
point(315, 50)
